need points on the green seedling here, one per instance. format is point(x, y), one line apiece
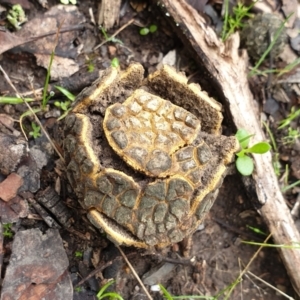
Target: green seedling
point(244, 163)
point(235, 21)
point(289, 67)
point(293, 245)
point(46, 97)
point(279, 72)
point(109, 38)
point(65, 106)
point(146, 30)
point(78, 254)
point(14, 100)
point(293, 135)
point(65, 92)
point(36, 130)
point(276, 162)
point(292, 115)
point(102, 294)
point(290, 186)
point(78, 289)
point(115, 62)
point(223, 292)
point(90, 66)
point(7, 232)
point(27, 113)
point(73, 2)
point(16, 16)
point(275, 38)
point(256, 230)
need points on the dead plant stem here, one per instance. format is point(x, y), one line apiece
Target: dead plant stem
point(135, 274)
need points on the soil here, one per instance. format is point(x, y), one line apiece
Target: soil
point(217, 253)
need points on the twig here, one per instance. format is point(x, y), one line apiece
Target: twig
point(271, 286)
point(31, 110)
point(116, 33)
point(134, 273)
point(249, 263)
point(93, 273)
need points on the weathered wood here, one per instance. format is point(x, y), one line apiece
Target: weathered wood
point(108, 13)
point(228, 69)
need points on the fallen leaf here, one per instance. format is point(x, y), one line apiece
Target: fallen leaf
point(9, 40)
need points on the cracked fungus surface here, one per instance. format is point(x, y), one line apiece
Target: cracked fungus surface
point(138, 159)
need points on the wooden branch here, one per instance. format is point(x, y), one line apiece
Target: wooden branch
point(228, 69)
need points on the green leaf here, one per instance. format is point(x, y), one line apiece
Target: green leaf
point(104, 288)
point(243, 137)
point(241, 153)
point(260, 148)
point(78, 254)
point(256, 230)
point(65, 105)
point(14, 100)
point(57, 104)
point(245, 165)
point(65, 92)
point(144, 31)
point(153, 28)
point(91, 67)
point(166, 294)
point(111, 295)
point(115, 62)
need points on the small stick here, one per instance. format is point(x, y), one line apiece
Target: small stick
point(93, 273)
point(31, 110)
point(116, 33)
point(271, 286)
point(134, 273)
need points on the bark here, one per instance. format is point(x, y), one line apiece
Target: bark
point(227, 67)
point(108, 13)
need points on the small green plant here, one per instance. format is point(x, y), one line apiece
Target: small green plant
point(151, 29)
point(278, 32)
point(36, 130)
point(46, 97)
point(14, 100)
point(7, 232)
point(109, 38)
point(291, 116)
point(290, 186)
point(115, 62)
point(78, 254)
point(276, 162)
point(293, 133)
point(90, 66)
point(223, 292)
point(73, 2)
point(235, 21)
point(110, 295)
point(244, 163)
point(78, 289)
point(292, 136)
point(64, 105)
point(256, 230)
point(16, 16)
point(293, 245)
